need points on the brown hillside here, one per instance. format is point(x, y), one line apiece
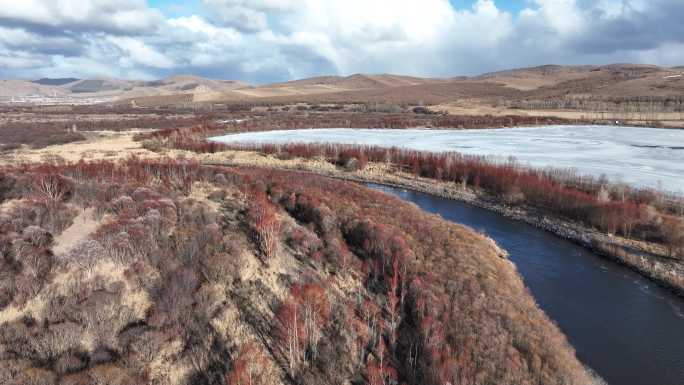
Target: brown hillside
point(183, 274)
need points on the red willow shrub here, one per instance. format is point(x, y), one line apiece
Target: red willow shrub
point(436, 305)
point(299, 322)
point(328, 244)
point(290, 121)
point(379, 371)
point(169, 172)
point(263, 217)
point(51, 188)
point(250, 367)
point(558, 192)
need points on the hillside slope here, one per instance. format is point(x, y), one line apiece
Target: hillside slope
point(196, 275)
point(21, 88)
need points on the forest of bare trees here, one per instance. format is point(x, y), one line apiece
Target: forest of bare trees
point(601, 107)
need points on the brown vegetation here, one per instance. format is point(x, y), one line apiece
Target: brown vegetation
point(290, 121)
point(637, 94)
point(358, 287)
point(633, 213)
point(59, 131)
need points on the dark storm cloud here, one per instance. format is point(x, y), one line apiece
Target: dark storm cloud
point(64, 46)
point(633, 29)
point(306, 61)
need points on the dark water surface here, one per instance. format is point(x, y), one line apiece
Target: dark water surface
point(626, 328)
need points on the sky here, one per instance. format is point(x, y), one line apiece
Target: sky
point(262, 41)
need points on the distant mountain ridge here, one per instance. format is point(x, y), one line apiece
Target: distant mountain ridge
point(620, 80)
point(55, 81)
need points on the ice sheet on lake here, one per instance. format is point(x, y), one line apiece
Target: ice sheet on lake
point(638, 156)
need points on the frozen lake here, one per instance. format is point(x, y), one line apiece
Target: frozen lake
point(647, 157)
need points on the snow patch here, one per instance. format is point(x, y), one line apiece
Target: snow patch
point(643, 157)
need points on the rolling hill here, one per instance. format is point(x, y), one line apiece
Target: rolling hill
point(548, 82)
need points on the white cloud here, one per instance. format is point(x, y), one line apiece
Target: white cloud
point(203, 29)
point(140, 53)
point(21, 38)
point(248, 15)
point(560, 16)
point(355, 35)
point(268, 40)
point(20, 61)
point(117, 16)
point(363, 22)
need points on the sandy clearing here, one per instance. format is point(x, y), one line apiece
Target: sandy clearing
point(106, 146)
point(83, 225)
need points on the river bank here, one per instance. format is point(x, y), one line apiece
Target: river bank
point(639, 256)
point(648, 259)
point(599, 305)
